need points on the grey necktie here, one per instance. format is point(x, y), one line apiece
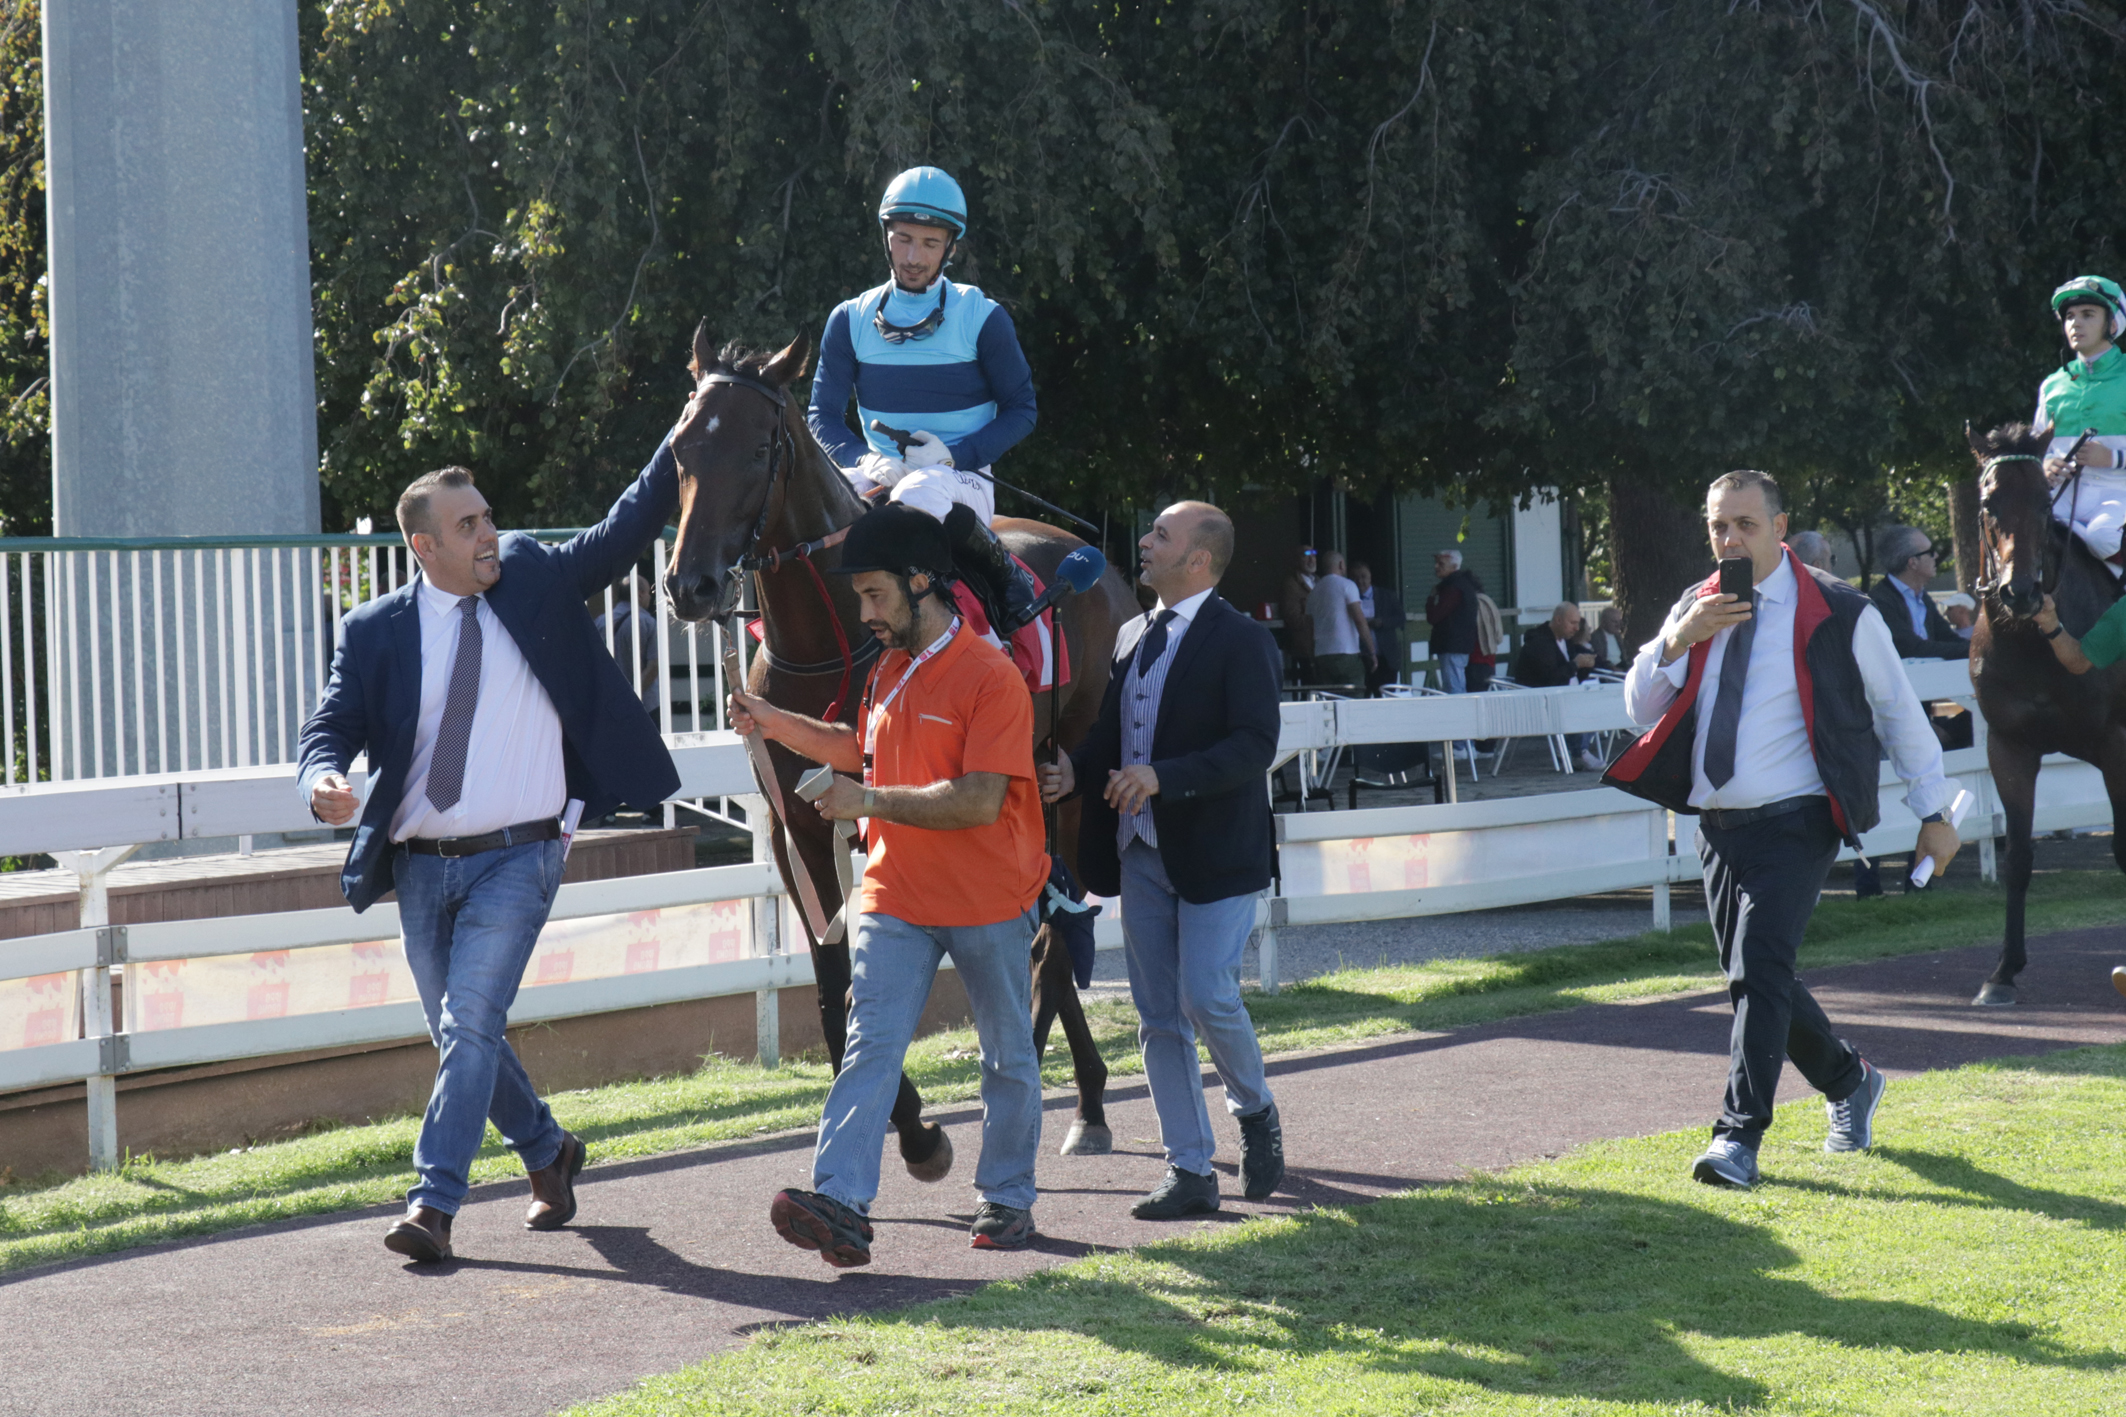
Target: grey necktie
point(1727, 707)
point(446, 764)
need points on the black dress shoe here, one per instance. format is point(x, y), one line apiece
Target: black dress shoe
point(1261, 1153)
point(553, 1187)
point(1182, 1193)
point(422, 1235)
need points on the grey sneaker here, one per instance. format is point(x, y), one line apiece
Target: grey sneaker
point(812, 1221)
point(1726, 1162)
point(999, 1227)
point(1182, 1193)
point(1261, 1153)
point(1853, 1118)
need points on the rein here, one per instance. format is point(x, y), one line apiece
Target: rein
point(782, 456)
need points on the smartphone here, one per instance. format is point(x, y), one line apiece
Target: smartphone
point(1737, 577)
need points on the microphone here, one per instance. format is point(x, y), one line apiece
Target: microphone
point(1077, 574)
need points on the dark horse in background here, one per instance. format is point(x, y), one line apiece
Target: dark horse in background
point(2032, 705)
point(753, 482)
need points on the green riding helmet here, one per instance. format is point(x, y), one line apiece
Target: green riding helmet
point(2093, 290)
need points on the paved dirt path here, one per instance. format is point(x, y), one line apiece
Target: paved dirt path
point(672, 1258)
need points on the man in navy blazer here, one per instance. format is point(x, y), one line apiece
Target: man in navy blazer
point(1181, 831)
point(485, 701)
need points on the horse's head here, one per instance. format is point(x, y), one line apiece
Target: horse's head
point(735, 443)
point(2015, 517)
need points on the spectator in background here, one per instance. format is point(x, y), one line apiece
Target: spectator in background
point(1384, 614)
point(1553, 656)
point(1451, 612)
point(1607, 641)
point(1292, 609)
point(1916, 627)
point(1812, 547)
point(1961, 611)
point(1343, 641)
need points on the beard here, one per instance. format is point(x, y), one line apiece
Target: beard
point(897, 630)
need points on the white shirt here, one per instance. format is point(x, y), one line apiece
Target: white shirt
point(1333, 631)
point(1141, 694)
point(1772, 756)
point(513, 770)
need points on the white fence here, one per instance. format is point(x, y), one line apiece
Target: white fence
point(133, 657)
point(289, 982)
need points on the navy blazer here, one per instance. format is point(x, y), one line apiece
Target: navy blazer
point(1211, 748)
point(611, 749)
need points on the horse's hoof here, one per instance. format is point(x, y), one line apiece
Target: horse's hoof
point(1088, 1139)
point(934, 1166)
point(1995, 996)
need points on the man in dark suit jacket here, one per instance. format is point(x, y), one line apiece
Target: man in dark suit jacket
point(1552, 656)
point(485, 701)
point(1917, 627)
point(1180, 829)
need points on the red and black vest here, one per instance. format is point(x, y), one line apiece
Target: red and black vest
point(1834, 707)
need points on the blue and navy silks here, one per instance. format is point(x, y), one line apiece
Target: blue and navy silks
point(968, 383)
point(1064, 910)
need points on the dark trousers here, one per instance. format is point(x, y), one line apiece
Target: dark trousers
point(1761, 884)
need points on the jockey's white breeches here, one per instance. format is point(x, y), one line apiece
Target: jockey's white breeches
point(935, 489)
point(2094, 505)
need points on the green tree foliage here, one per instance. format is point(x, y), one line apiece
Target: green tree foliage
point(1472, 248)
point(25, 403)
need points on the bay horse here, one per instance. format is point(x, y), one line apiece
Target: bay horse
point(758, 496)
point(2032, 705)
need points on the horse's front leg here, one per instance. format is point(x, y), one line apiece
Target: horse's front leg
point(2015, 767)
point(1056, 996)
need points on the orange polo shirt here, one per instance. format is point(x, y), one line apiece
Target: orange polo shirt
point(966, 710)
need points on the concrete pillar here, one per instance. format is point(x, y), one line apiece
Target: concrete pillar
point(183, 396)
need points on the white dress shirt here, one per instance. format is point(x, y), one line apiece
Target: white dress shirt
point(513, 770)
point(1772, 756)
point(1141, 694)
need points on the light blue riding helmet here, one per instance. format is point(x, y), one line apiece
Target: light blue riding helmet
point(927, 195)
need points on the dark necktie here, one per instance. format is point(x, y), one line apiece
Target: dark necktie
point(446, 763)
point(1727, 707)
point(1154, 643)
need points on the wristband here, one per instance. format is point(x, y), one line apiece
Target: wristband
point(870, 802)
point(1931, 819)
point(2057, 631)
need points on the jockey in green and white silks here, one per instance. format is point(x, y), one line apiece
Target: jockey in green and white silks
point(928, 356)
point(2089, 392)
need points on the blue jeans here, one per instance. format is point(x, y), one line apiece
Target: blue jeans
point(1184, 976)
point(891, 965)
point(469, 924)
point(1453, 672)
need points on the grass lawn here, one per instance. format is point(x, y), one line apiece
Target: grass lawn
point(1975, 1262)
point(155, 1199)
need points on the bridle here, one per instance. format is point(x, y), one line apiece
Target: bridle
point(2050, 564)
point(782, 457)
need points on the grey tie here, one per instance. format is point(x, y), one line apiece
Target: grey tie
point(1727, 707)
point(446, 764)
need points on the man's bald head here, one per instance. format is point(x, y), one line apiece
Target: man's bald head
point(1565, 620)
point(1208, 529)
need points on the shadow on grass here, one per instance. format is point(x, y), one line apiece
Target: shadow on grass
point(1559, 1292)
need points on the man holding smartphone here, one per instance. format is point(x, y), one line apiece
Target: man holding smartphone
point(1801, 689)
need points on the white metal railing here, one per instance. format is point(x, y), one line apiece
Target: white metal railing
point(139, 657)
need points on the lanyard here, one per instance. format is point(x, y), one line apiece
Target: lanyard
point(874, 712)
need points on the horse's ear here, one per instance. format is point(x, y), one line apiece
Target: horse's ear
point(1971, 436)
point(788, 365)
point(704, 351)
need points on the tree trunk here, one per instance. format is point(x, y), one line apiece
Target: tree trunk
point(1657, 547)
point(1964, 534)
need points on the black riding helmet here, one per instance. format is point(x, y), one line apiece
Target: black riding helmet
point(899, 540)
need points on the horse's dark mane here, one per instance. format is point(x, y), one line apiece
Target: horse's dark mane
point(736, 358)
point(2010, 438)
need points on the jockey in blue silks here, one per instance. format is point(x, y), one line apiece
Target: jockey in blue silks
point(930, 356)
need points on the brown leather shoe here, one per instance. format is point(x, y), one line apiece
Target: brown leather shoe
point(422, 1235)
point(553, 1187)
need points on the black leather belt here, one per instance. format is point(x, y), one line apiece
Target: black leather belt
point(1728, 818)
point(545, 829)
